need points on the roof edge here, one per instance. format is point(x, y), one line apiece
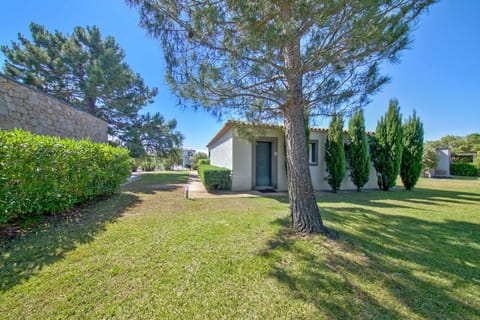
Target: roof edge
point(231, 123)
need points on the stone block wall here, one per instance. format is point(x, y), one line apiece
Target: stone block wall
point(29, 109)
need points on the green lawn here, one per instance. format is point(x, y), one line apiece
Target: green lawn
point(148, 253)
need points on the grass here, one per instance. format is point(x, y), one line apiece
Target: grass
point(148, 253)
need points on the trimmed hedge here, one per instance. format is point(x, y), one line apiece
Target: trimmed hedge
point(215, 178)
point(203, 162)
point(40, 174)
point(463, 169)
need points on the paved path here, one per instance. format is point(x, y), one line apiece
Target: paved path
point(195, 190)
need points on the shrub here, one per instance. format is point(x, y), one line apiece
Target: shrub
point(134, 164)
point(478, 162)
point(203, 162)
point(215, 178)
point(148, 165)
point(194, 158)
point(463, 169)
point(41, 174)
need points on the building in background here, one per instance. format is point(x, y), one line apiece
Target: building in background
point(186, 154)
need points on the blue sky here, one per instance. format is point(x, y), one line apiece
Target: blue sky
point(439, 76)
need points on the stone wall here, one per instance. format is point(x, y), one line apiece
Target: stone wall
point(29, 109)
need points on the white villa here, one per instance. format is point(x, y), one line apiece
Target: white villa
point(258, 162)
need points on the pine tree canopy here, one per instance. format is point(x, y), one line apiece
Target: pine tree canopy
point(231, 55)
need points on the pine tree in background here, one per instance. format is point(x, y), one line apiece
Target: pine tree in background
point(335, 153)
point(357, 155)
point(386, 147)
point(411, 165)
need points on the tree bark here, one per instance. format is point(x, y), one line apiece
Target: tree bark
point(303, 204)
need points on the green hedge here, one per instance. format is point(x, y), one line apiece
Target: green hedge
point(463, 169)
point(215, 178)
point(478, 162)
point(203, 162)
point(41, 174)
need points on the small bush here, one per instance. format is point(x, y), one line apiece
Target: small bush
point(134, 164)
point(215, 178)
point(203, 162)
point(41, 174)
point(148, 165)
point(463, 169)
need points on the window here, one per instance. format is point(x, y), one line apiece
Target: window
point(313, 153)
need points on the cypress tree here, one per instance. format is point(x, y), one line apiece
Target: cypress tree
point(335, 153)
point(357, 155)
point(411, 166)
point(386, 147)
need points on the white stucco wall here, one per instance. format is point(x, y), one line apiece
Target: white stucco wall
point(242, 165)
point(443, 167)
point(221, 152)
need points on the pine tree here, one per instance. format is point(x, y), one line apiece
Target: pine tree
point(357, 155)
point(335, 153)
point(411, 165)
point(386, 147)
point(280, 60)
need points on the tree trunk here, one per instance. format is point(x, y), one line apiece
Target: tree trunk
point(303, 204)
point(91, 106)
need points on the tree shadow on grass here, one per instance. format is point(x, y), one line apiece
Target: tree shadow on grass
point(404, 198)
point(320, 275)
point(418, 263)
point(152, 183)
point(48, 242)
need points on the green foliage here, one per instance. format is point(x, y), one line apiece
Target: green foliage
point(151, 134)
point(463, 169)
point(357, 151)
point(335, 153)
point(148, 165)
point(230, 54)
point(386, 147)
point(203, 161)
point(215, 178)
point(134, 164)
point(83, 68)
point(430, 156)
point(411, 165)
point(172, 159)
point(41, 174)
point(196, 157)
point(478, 162)
point(458, 144)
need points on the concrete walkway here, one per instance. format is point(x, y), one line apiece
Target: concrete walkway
point(194, 189)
